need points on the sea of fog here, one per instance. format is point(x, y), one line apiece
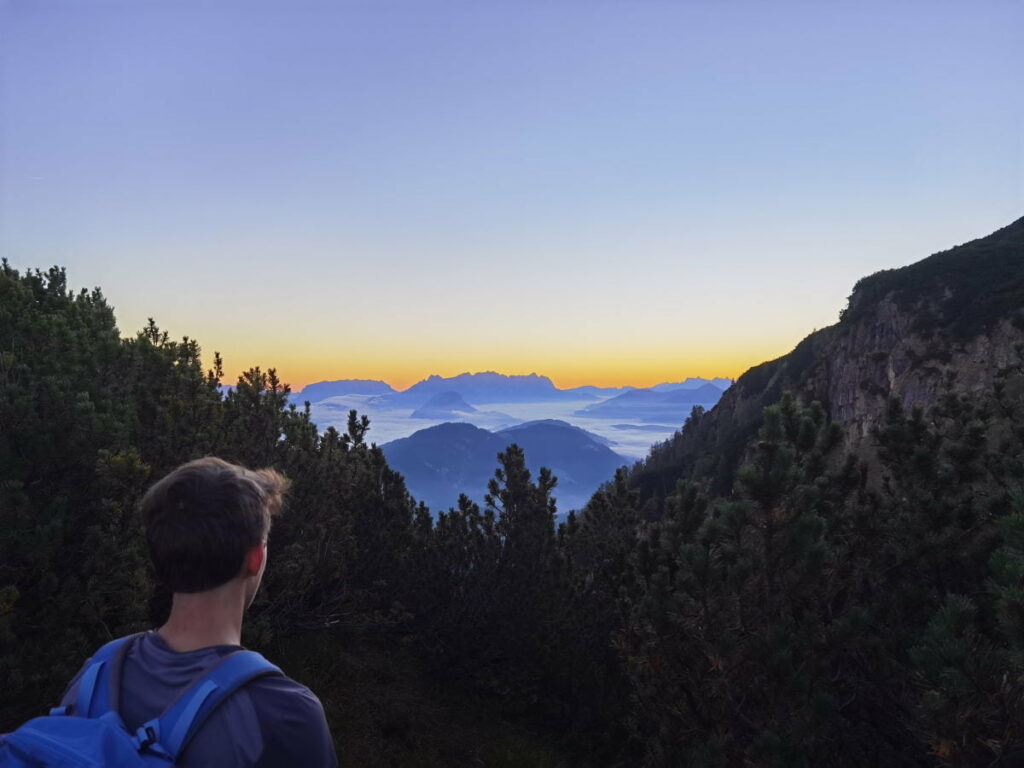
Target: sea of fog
point(386, 424)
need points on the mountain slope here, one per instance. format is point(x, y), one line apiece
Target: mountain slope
point(559, 424)
point(439, 463)
point(443, 405)
point(960, 310)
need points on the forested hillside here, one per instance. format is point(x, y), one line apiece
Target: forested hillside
point(784, 584)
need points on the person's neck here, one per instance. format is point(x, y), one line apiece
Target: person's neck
point(202, 619)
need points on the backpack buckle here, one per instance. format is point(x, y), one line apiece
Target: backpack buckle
point(146, 737)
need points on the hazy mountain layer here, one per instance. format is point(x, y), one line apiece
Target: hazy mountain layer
point(484, 388)
point(648, 405)
point(324, 389)
point(443, 405)
point(441, 462)
point(692, 383)
point(478, 389)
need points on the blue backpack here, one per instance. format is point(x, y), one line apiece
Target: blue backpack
point(91, 734)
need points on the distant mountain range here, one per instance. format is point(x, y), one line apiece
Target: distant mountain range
point(443, 405)
point(692, 383)
point(588, 392)
point(633, 418)
point(670, 406)
point(484, 388)
point(441, 462)
point(479, 389)
point(324, 389)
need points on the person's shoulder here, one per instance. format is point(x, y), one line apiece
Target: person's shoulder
point(285, 704)
point(293, 723)
point(280, 690)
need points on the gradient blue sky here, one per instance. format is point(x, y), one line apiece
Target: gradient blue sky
point(606, 192)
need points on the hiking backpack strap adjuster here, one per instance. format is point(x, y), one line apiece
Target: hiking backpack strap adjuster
point(170, 733)
point(147, 739)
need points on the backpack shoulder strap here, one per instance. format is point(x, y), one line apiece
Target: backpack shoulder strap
point(170, 733)
point(99, 686)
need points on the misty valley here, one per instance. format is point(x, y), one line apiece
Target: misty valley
point(578, 433)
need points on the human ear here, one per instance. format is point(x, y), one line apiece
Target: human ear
point(255, 559)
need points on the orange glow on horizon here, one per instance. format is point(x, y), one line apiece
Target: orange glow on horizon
point(566, 374)
point(610, 359)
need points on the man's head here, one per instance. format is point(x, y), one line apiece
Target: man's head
point(207, 523)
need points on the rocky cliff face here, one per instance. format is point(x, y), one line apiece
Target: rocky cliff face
point(959, 314)
point(882, 357)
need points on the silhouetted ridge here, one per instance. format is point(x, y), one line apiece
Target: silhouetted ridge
point(963, 290)
point(439, 463)
point(901, 329)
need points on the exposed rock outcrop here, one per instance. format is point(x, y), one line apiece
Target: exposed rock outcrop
point(959, 314)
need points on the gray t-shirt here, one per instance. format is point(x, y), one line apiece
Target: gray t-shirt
point(271, 722)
